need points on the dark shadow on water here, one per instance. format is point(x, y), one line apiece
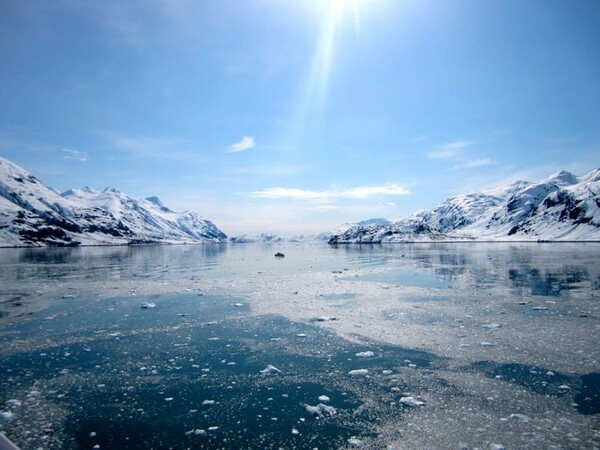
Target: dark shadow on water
point(585, 389)
point(588, 397)
point(137, 378)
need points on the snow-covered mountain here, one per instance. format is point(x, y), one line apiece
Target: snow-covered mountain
point(327, 235)
point(32, 214)
point(263, 237)
point(561, 207)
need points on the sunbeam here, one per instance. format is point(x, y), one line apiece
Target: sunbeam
point(314, 91)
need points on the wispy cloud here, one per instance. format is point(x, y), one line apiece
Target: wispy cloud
point(74, 155)
point(457, 157)
point(271, 169)
point(149, 147)
point(449, 150)
point(246, 143)
point(472, 164)
point(326, 208)
point(359, 192)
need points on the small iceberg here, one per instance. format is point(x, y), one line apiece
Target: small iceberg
point(367, 354)
point(196, 432)
point(321, 410)
point(411, 401)
point(148, 305)
point(325, 319)
point(270, 370)
point(358, 372)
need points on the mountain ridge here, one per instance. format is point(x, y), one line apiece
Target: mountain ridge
point(33, 214)
point(559, 208)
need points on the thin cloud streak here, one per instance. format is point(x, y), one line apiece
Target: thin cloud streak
point(359, 192)
point(472, 164)
point(449, 150)
point(149, 147)
point(246, 143)
point(74, 155)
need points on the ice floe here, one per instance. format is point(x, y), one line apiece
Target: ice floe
point(411, 401)
point(148, 305)
point(270, 370)
point(358, 372)
point(321, 410)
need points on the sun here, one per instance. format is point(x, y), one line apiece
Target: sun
point(334, 10)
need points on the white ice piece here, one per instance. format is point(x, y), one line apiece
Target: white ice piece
point(148, 305)
point(321, 410)
point(270, 370)
point(411, 401)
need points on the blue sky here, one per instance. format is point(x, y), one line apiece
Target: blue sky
point(294, 116)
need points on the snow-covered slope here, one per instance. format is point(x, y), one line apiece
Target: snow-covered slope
point(561, 207)
point(32, 214)
point(263, 237)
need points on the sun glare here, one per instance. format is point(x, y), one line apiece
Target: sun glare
point(315, 89)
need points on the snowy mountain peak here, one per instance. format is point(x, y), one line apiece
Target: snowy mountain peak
point(32, 214)
point(156, 201)
point(561, 207)
point(563, 178)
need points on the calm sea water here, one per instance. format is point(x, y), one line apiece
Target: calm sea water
point(472, 345)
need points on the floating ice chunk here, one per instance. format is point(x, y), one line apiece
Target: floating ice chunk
point(520, 417)
point(354, 443)
point(550, 373)
point(295, 431)
point(325, 319)
point(238, 305)
point(68, 296)
point(148, 305)
point(367, 354)
point(196, 432)
point(213, 428)
point(411, 401)
point(93, 434)
point(565, 387)
point(270, 370)
point(321, 410)
point(486, 344)
point(540, 308)
point(301, 335)
point(491, 326)
point(208, 402)
point(14, 403)
point(5, 415)
point(324, 399)
point(358, 372)
point(169, 399)
point(387, 372)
